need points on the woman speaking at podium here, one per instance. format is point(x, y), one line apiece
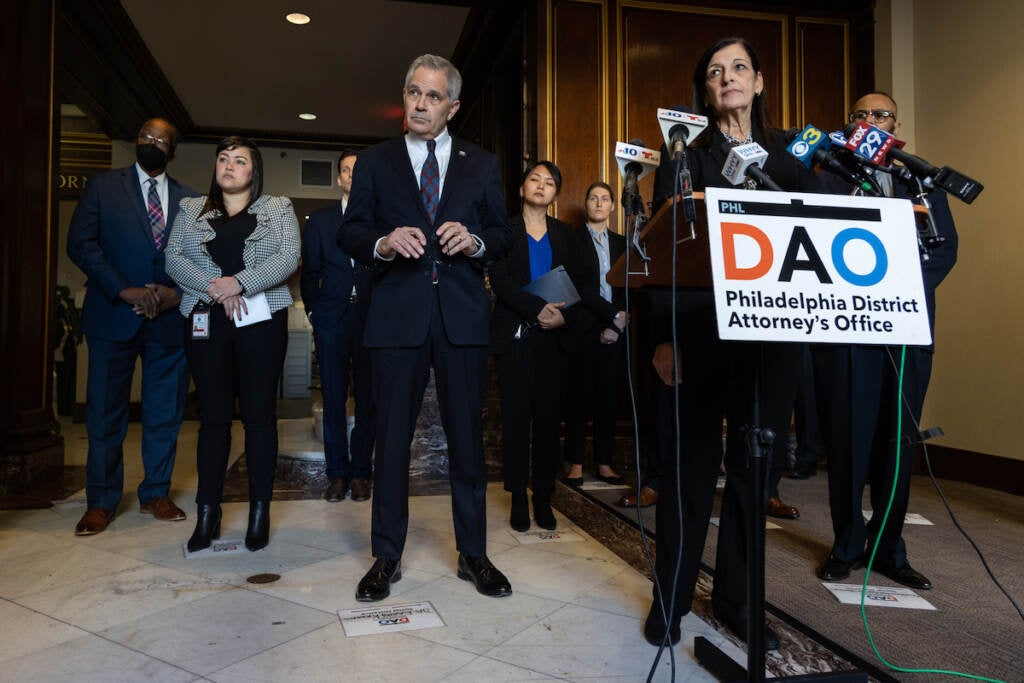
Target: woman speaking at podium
point(715, 377)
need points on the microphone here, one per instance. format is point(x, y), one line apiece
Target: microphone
point(879, 147)
point(811, 146)
point(678, 127)
point(746, 160)
point(635, 161)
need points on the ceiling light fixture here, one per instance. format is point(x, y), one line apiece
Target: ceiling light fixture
point(298, 18)
point(307, 117)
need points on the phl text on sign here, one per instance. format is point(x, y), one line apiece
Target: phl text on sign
point(799, 267)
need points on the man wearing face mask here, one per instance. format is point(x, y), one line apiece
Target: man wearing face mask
point(117, 237)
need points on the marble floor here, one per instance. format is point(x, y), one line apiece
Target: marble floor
point(126, 605)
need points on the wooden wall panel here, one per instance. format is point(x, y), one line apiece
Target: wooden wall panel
point(822, 78)
point(577, 92)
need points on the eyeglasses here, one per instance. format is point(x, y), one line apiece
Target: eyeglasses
point(413, 94)
point(149, 139)
point(875, 114)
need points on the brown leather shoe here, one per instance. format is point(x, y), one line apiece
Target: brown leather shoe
point(93, 521)
point(336, 490)
point(162, 508)
point(360, 489)
point(648, 497)
point(776, 508)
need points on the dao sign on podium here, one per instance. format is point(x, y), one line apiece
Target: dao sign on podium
point(794, 267)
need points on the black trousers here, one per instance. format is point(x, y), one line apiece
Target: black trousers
point(859, 390)
point(400, 378)
point(340, 353)
point(532, 387)
point(242, 362)
point(597, 372)
point(717, 381)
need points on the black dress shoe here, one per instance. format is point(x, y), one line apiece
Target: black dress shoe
point(376, 584)
point(803, 470)
point(484, 575)
point(612, 479)
point(519, 519)
point(737, 623)
point(574, 482)
point(655, 629)
point(336, 490)
point(542, 512)
point(837, 569)
point(907, 575)
point(257, 535)
point(207, 527)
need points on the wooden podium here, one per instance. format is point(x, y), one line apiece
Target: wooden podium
point(693, 259)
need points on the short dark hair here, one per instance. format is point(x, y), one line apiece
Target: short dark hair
point(345, 153)
point(175, 136)
point(895, 107)
point(699, 94)
point(552, 169)
point(215, 198)
point(603, 185)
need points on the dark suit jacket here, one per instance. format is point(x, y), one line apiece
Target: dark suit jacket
point(111, 241)
point(327, 272)
point(385, 195)
point(596, 314)
point(510, 274)
point(942, 259)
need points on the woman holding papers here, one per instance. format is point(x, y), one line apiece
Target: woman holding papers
point(530, 342)
point(600, 364)
point(231, 253)
point(716, 377)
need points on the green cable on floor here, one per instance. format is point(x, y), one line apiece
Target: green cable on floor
point(878, 540)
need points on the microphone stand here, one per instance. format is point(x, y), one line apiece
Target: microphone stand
point(633, 203)
point(758, 443)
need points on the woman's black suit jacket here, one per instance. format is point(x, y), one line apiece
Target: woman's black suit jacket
point(509, 275)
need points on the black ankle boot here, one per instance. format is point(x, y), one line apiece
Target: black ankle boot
point(520, 517)
point(207, 527)
point(257, 536)
point(542, 512)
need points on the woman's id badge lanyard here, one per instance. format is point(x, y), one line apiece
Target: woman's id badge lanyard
point(201, 322)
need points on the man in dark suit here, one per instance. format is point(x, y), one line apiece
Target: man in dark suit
point(117, 237)
point(858, 388)
point(336, 293)
point(427, 213)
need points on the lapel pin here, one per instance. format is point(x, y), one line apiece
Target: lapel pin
point(462, 153)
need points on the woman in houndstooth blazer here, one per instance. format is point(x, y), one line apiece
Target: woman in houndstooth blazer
point(227, 251)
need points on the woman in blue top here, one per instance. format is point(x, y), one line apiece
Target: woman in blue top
point(530, 339)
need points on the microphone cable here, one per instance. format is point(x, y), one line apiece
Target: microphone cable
point(885, 519)
point(668, 615)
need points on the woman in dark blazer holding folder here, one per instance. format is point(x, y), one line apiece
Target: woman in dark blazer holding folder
point(530, 342)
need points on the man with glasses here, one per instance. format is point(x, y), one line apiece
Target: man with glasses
point(117, 237)
point(858, 390)
point(426, 212)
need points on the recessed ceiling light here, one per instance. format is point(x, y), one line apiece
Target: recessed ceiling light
point(298, 18)
point(307, 117)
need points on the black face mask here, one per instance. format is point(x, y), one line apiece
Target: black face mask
point(151, 158)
